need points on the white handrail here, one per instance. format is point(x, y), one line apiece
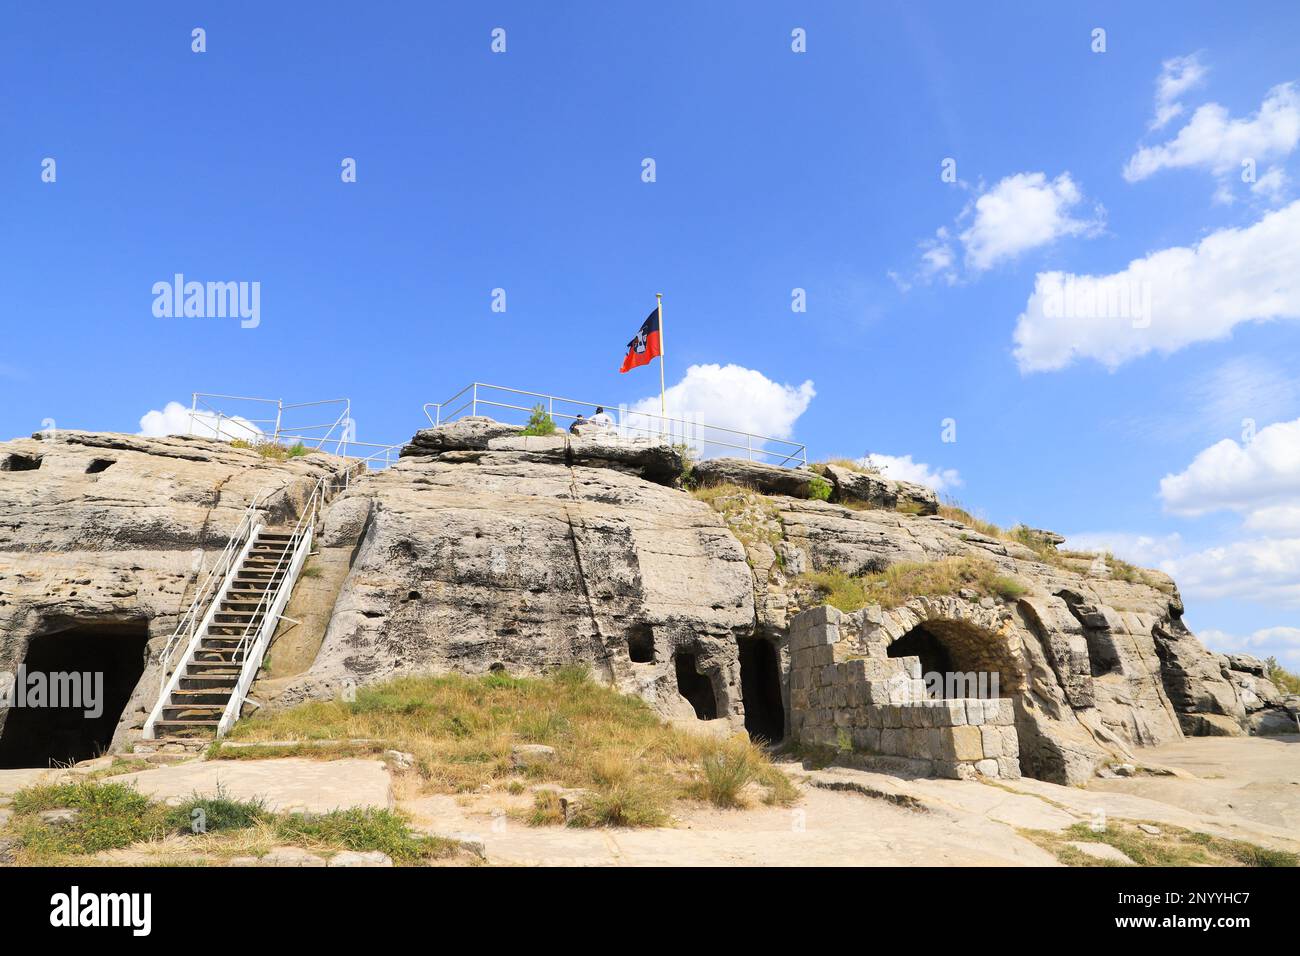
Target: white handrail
point(253, 642)
point(785, 451)
point(191, 626)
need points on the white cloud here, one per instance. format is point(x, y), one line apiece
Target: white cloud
point(732, 396)
point(1259, 478)
point(1148, 551)
point(1023, 212)
point(1280, 642)
point(1272, 185)
point(174, 419)
point(1274, 519)
point(1259, 569)
point(1213, 141)
point(903, 468)
point(1236, 476)
point(1177, 75)
point(1196, 294)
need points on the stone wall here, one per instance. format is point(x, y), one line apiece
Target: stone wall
point(877, 706)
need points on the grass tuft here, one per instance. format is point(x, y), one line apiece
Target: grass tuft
point(363, 829)
point(1173, 846)
point(901, 582)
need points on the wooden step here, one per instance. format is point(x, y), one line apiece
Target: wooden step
point(216, 683)
point(191, 728)
point(211, 669)
point(192, 711)
point(218, 697)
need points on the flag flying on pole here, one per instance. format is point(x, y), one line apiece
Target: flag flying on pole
point(645, 346)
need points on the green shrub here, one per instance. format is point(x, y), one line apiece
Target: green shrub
point(539, 422)
point(110, 816)
point(363, 829)
point(211, 814)
point(819, 489)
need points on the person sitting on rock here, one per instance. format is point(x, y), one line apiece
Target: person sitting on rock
point(577, 424)
point(601, 419)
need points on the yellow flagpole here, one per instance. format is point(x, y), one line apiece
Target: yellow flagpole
point(663, 407)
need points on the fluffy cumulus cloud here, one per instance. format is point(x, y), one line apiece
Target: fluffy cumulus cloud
point(1258, 478)
point(1167, 300)
point(174, 419)
point(1021, 212)
point(903, 468)
point(732, 396)
point(1281, 642)
point(1177, 75)
point(1250, 476)
point(1215, 142)
point(1266, 570)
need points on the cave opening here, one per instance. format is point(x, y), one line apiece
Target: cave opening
point(760, 689)
point(694, 686)
point(89, 671)
point(20, 462)
point(641, 644)
point(967, 660)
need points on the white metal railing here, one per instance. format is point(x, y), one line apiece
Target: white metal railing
point(208, 420)
point(211, 421)
point(477, 397)
point(194, 622)
point(255, 638)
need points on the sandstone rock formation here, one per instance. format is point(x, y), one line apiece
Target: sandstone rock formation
point(105, 535)
point(485, 549)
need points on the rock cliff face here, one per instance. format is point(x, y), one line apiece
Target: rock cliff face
point(485, 549)
point(103, 536)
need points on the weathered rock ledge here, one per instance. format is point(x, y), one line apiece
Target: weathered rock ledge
point(483, 548)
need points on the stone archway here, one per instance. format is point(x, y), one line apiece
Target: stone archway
point(951, 636)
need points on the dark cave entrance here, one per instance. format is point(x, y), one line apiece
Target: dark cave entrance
point(760, 689)
point(921, 642)
point(641, 644)
point(694, 686)
point(89, 668)
point(967, 658)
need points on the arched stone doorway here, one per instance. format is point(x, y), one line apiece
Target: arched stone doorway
point(960, 658)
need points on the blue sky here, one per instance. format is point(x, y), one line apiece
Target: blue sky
point(775, 170)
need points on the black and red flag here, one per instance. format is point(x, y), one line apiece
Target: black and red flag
point(645, 346)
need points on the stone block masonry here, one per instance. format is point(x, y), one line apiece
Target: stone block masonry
point(876, 705)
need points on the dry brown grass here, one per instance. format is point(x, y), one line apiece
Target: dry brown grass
point(752, 517)
point(899, 583)
point(462, 730)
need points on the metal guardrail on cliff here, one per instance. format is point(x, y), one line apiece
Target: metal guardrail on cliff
point(480, 398)
point(262, 420)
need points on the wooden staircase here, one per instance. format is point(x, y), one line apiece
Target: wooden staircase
point(210, 673)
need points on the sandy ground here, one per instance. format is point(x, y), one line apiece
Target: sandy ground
point(1253, 778)
point(1246, 788)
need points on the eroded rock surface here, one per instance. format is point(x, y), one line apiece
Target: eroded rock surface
point(484, 549)
point(106, 534)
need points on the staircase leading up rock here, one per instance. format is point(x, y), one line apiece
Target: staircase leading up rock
point(211, 671)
